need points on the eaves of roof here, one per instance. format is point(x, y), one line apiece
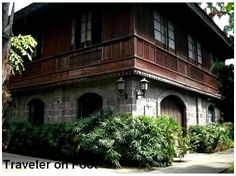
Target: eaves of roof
point(202, 14)
point(34, 7)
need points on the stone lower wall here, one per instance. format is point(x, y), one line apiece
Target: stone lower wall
point(196, 105)
point(61, 102)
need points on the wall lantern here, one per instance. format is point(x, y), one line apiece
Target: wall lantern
point(143, 86)
point(121, 83)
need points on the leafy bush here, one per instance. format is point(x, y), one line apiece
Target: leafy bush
point(210, 138)
point(226, 140)
point(107, 139)
point(49, 140)
point(136, 141)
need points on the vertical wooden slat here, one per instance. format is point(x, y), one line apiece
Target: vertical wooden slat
point(146, 50)
point(116, 50)
point(140, 48)
point(182, 67)
point(151, 53)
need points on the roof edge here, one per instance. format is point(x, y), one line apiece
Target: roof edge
point(28, 10)
point(202, 14)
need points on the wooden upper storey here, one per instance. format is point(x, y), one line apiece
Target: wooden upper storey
point(85, 40)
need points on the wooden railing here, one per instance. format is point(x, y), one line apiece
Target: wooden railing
point(64, 62)
point(98, 59)
point(151, 52)
point(113, 56)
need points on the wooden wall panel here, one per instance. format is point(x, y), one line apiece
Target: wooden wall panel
point(116, 22)
point(94, 70)
point(196, 73)
point(127, 48)
point(146, 51)
point(107, 52)
point(56, 39)
point(140, 48)
point(32, 70)
point(62, 63)
point(211, 81)
point(151, 53)
point(85, 58)
point(162, 72)
point(181, 43)
point(48, 67)
point(166, 60)
point(183, 67)
point(118, 49)
point(115, 50)
point(144, 22)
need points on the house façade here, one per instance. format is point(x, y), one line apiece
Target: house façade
point(148, 58)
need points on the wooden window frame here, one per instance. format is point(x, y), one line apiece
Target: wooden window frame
point(73, 33)
point(195, 48)
point(162, 28)
point(199, 53)
point(86, 29)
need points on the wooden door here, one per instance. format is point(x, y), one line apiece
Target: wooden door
point(173, 107)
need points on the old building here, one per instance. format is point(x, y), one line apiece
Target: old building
point(138, 58)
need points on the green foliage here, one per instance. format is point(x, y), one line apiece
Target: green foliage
point(221, 9)
point(210, 138)
point(50, 140)
point(22, 46)
point(225, 74)
point(226, 140)
point(135, 141)
point(107, 139)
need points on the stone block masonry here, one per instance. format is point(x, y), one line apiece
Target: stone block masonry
point(61, 103)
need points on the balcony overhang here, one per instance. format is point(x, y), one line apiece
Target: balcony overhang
point(177, 84)
point(127, 72)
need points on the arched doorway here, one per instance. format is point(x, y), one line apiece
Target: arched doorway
point(88, 104)
point(211, 114)
point(174, 107)
point(36, 111)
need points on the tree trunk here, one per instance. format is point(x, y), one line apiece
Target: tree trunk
point(6, 69)
point(6, 44)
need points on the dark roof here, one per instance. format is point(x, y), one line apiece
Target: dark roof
point(28, 10)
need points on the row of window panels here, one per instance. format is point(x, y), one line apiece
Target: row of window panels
point(164, 32)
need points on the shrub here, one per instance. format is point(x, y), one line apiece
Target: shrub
point(107, 139)
point(135, 141)
point(50, 140)
point(210, 138)
point(226, 140)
